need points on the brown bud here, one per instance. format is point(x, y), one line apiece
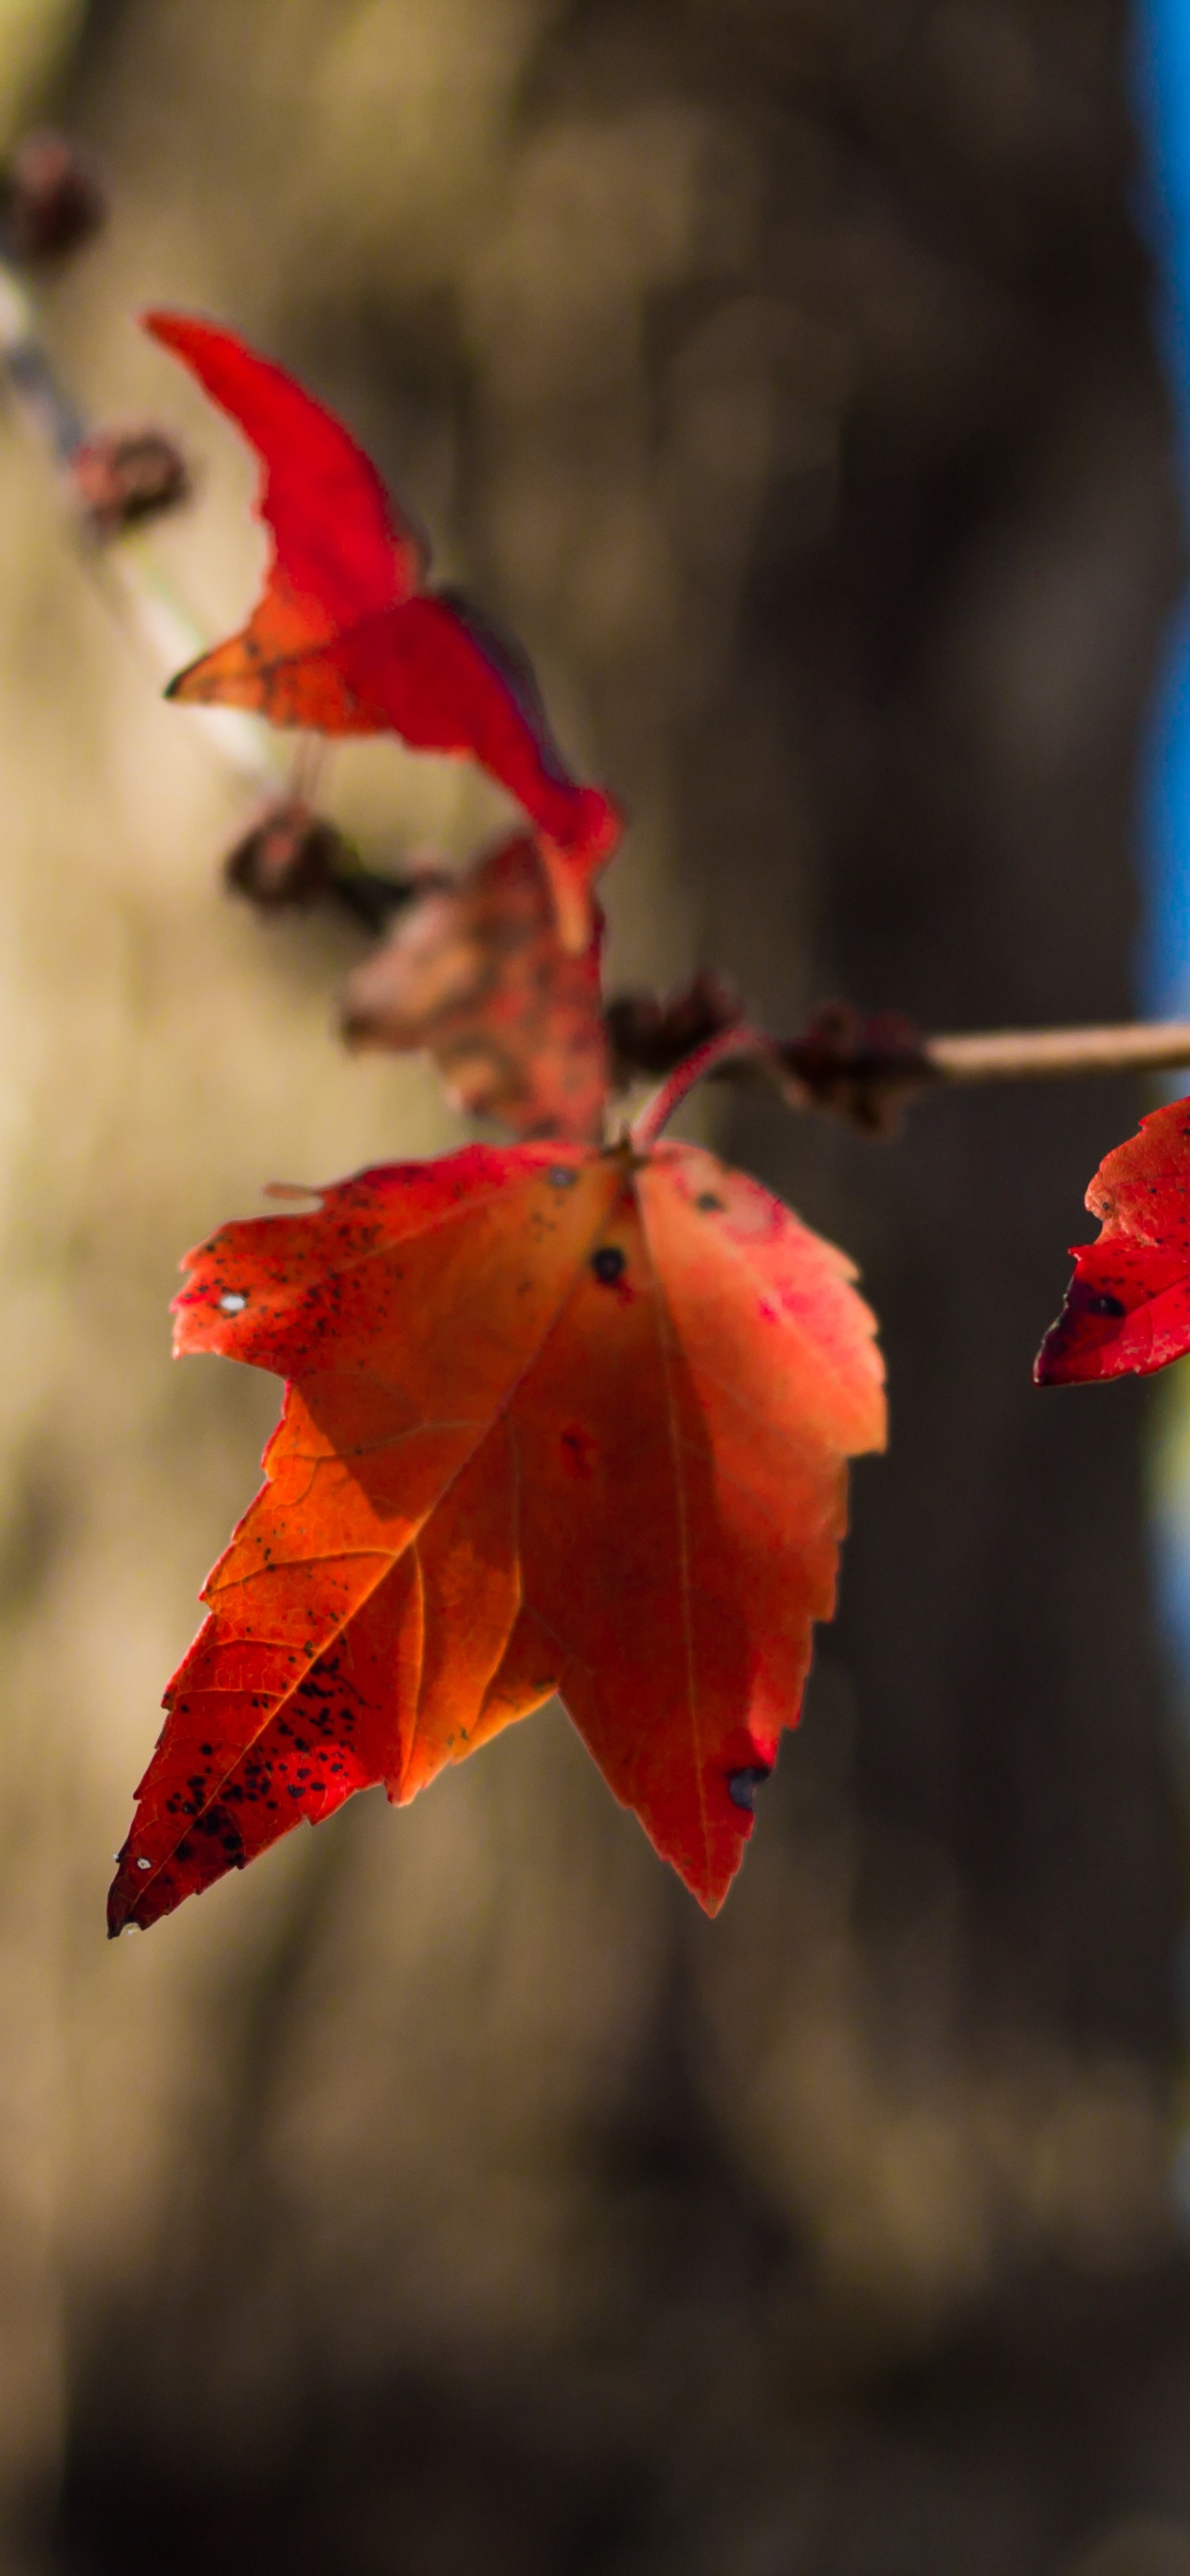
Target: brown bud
point(122, 477)
point(50, 199)
point(864, 1066)
point(652, 1036)
point(289, 858)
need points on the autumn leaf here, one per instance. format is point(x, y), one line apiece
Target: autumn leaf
point(474, 971)
point(556, 1419)
point(349, 639)
point(1127, 1308)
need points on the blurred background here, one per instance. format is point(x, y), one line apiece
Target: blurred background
point(446, 2194)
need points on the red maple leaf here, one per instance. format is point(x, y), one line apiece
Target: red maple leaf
point(556, 1419)
point(1127, 1309)
point(348, 639)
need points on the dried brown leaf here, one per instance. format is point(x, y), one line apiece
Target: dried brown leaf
point(475, 972)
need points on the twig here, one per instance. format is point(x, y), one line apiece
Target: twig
point(1032, 1055)
point(865, 1069)
point(128, 574)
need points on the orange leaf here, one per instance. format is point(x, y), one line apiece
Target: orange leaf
point(557, 1419)
point(474, 971)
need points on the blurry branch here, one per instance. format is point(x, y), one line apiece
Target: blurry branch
point(113, 480)
point(1033, 1055)
point(865, 1068)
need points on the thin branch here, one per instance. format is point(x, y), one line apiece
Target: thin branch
point(128, 574)
point(864, 1068)
point(867, 1070)
point(1032, 1055)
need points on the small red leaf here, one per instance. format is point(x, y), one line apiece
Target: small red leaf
point(556, 1419)
point(1127, 1309)
point(347, 639)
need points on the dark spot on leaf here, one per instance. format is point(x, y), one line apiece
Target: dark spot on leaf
point(608, 1264)
point(743, 1785)
point(709, 1204)
point(1103, 1303)
point(560, 1179)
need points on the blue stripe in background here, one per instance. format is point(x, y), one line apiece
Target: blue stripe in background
point(1164, 964)
point(1163, 91)
point(1162, 86)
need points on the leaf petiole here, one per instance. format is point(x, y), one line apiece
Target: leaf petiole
point(727, 1046)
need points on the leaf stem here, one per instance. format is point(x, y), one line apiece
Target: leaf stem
point(726, 1047)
